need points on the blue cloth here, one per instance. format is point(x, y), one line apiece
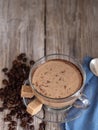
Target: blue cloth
point(89, 118)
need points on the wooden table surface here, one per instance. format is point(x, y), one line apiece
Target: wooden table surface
point(40, 27)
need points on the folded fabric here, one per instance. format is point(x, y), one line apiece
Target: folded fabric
point(89, 118)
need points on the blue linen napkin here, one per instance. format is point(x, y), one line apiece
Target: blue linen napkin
point(89, 118)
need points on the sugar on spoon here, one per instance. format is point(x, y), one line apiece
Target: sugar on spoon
point(94, 66)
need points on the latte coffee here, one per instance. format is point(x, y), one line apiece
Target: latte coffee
point(57, 79)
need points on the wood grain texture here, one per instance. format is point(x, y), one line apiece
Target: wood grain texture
point(71, 27)
point(21, 30)
point(57, 28)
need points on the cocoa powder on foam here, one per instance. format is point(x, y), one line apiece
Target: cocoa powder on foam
point(57, 78)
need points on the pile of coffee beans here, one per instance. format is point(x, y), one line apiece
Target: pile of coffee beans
point(10, 94)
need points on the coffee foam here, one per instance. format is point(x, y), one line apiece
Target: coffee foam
point(57, 79)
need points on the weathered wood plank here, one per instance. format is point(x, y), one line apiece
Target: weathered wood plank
point(84, 42)
point(57, 28)
point(92, 17)
point(21, 30)
point(71, 28)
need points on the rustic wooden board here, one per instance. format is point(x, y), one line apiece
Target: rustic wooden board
point(21, 30)
point(40, 27)
point(57, 28)
point(71, 27)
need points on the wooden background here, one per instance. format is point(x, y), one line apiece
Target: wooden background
point(40, 27)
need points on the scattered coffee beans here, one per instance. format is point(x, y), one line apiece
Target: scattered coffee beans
point(4, 69)
point(31, 127)
point(10, 94)
point(42, 126)
point(32, 62)
point(1, 109)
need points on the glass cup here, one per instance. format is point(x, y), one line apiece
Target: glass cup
point(78, 99)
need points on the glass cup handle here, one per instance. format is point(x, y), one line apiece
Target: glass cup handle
point(82, 102)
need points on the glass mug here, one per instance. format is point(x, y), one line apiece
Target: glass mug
point(78, 99)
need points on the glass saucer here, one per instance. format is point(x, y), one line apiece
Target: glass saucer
point(48, 114)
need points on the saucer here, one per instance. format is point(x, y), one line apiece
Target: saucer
point(48, 114)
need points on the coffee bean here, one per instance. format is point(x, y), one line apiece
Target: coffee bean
point(14, 123)
point(5, 119)
point(2, 93)
point(5, 82)
point(19, 57)
point(1, 109)
point(31, 127)
point(5, 70)
point(23, 124)
point(30, 120)
point(13, 112)
point(42, 126)
point(23, 54)
point(15, 62)
point(5, 105)
point(11, 128)
point(9, 118)
point(18, 116)
point(10, 94)
point(32, 62)
point(10, 125)
point(24, 59)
